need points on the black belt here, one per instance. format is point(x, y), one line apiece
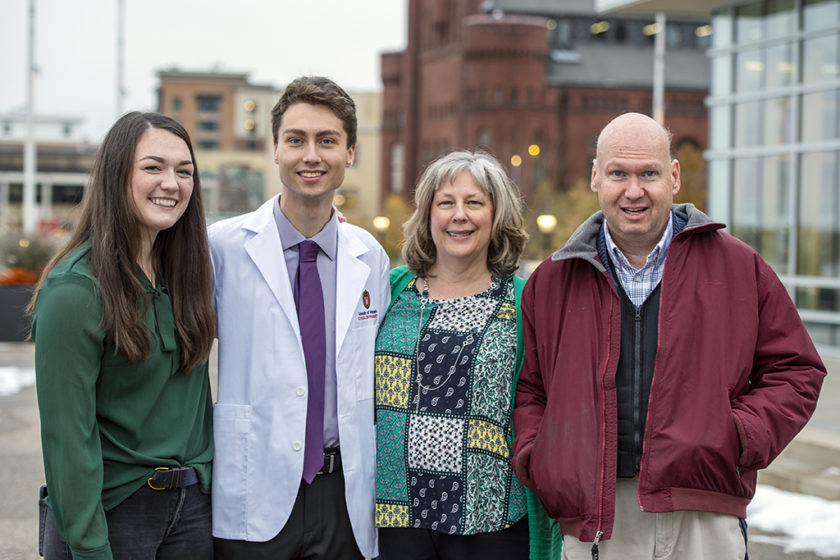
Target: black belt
point(165, 478)
point(332, 461)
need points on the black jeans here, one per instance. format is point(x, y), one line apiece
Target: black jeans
point(148, 525)
point(427, 544)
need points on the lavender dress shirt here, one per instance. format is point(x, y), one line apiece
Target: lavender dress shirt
point(327, 240)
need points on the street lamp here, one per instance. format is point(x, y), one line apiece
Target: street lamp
point(546, 224)
point(537, 169)
point(381, 225)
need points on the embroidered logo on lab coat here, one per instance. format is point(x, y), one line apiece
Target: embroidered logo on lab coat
point(366, 314)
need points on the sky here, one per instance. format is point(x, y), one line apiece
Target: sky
point(273, 41)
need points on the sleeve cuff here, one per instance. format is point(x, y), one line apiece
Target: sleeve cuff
point(101, 553)
point(522, 464)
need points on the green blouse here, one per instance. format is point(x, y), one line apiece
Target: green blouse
point(107, 422)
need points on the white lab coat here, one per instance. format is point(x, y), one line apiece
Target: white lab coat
point(260, 416)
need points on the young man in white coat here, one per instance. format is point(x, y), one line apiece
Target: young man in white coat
point(294, 468)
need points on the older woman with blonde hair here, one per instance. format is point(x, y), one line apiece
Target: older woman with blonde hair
point(447, 361)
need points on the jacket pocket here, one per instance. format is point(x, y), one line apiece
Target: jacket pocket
point(701, 434)
point(232, 429)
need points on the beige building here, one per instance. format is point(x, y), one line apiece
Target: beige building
point(361, 184)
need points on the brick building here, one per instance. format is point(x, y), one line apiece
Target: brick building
point(532, 82)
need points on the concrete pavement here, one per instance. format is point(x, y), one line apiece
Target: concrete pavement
point(20, 462)
point(23, 473)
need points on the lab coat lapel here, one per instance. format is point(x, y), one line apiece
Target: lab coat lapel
point(266, 251)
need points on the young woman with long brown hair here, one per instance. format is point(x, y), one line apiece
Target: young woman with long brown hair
point(123, 326)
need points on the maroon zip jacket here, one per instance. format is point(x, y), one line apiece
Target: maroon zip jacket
point(736, 377)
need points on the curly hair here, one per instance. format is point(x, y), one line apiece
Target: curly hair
point(508, 235)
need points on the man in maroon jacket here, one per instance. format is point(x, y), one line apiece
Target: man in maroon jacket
point(665, 364)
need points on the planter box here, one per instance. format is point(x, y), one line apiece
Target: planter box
point(14, 323)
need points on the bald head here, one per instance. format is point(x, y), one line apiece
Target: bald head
point(636, 180)
point(633, 129)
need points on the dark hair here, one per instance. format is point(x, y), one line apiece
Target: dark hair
point(317, 90)
point(180, 254)
point(508, 235)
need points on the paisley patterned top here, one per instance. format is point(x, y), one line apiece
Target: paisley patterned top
point(444, 374)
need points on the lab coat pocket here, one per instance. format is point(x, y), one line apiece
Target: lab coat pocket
point(232, 429)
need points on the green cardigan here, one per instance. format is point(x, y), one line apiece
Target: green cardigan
point(545, 538)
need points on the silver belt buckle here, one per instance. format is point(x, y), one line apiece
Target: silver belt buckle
point(329, 469)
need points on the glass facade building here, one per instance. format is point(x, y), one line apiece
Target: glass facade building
point(774, 145)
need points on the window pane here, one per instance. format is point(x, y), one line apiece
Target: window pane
point(820, 59)
point(745, 193)
point(209, 102)
point(820, 299)
point(818, 248)
point(822, 333)
point(775, 211)
point(780, 68)
point(563, 35)
point(748, 25)
point(750, 70)
point(760, 209)
point(675, 35)
point(397, 167)
point(778, 121)
point(820, 116)
point(748, 125)
point(780, 18)
point(818, 14)
point(483, 138)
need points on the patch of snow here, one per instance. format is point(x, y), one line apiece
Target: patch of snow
point(799, 522)
point(12, 379)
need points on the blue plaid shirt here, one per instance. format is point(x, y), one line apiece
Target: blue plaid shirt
point(639, 283)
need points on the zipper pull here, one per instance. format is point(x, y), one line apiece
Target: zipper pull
point(595, 554)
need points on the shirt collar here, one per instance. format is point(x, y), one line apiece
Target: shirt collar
point(657, 254)
point(327, 238)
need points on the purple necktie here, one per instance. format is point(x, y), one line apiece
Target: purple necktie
point(309, 300)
